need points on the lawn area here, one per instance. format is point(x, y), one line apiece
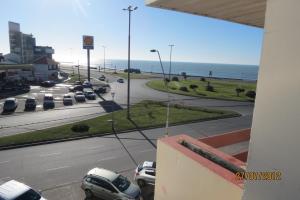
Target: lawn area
point(75, 77)
point(146, 114)
point(223, 89)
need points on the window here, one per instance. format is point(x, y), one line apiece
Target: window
point(121, 183)
point(29, 195)
point(151, 173)
point(103, 184)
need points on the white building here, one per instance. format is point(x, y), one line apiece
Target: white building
point(45, 69)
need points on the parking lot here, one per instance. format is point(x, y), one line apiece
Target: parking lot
point(38, 93)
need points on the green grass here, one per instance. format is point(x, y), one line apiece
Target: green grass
point(224, 89)
point(146, 114)
point(75, 77)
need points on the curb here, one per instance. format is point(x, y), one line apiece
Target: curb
point(8, 147)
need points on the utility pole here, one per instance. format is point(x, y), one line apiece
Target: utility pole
point(129, 9)
point(104, 57)
point(170, 68)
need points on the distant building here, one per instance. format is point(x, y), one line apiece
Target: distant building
point(24, 45)
point(45, 69)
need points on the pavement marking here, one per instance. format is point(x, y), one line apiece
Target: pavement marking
point(96, 147)
point(57, 168)
point(50, 154)
point(3, 162)
point(108, 158)
point(147, 150)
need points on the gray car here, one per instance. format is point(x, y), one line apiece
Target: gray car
point(10, 105)
point(108, 185)
point(145, 173)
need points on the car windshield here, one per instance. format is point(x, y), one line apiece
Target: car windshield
point(48, 98)
point(67, 96)
point(9, 102)
point(29, 195)
point(121, 183)
point(30, 101)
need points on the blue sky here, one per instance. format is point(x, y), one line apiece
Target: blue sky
point(61, 24)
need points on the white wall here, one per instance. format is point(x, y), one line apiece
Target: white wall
point(41, 72)
point(275, 136)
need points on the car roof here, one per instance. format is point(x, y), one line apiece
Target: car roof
point(30, 98)
point(104, 173)
point(149, 164)
point(12, 189)
point(48, 95)
point(10, 99)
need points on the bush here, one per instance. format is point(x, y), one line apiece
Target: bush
point(167, 80)
point(239, 90)
point(80, 128)
point(193, 86)
point(184, 89)
point(251, 94)
point(202, 79)
point(175, 78)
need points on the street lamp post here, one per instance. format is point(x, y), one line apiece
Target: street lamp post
point(170, 68)
point(166, 84)
point(112, 112)
point(104, 57)
point(129, 9)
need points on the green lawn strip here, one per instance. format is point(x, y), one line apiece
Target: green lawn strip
point(146, 114)
point(224, 89)
point(75, 77)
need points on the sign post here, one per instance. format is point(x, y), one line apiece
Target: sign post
point(88, 44)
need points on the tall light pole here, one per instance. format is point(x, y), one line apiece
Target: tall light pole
point(170, 68)
point(166, 84)
point(129, 9)
point(104, 56)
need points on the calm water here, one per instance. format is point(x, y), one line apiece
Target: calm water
point(246, 72)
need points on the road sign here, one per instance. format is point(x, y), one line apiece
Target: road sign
point(88, 42)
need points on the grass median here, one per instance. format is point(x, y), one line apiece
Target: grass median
point(146, 114)
point(222, 89)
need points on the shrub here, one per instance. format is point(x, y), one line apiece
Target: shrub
point(175, 78)
point(239, 90)
point(251, 94)
point(167, 80)
point(202, 79)
point(184, 89)
point(80, 128)
point(193, 86)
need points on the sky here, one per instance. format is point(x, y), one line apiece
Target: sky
point(61, 24)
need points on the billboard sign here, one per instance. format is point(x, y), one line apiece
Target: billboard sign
point(88, 42)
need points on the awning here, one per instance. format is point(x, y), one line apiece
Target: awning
point(249, 12)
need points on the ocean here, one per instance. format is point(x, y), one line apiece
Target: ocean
point(232, 71)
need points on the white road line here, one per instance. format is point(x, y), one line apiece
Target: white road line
point(3, 162)
point(108, 158)
point(147, 150)
point(95, 147)
point(57, 168)
point(50, 154)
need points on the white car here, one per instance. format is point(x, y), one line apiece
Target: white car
point(79, 96)
point(145, 173)
point(109, 185)
point(14, 190)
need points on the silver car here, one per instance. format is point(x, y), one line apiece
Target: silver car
point(145, 173)
point(79, 96)
point(67, 100)
point(14, 190)
point(108, 185)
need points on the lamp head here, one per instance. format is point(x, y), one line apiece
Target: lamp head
point(135, 8)
point(153, 50)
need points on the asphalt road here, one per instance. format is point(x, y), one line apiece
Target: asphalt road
point(57, 169)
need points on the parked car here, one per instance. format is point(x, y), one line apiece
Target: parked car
point(47, 83)
point(48, 101)
point(145, 173)
point(76, 88)
point(79, 96)
point(102, 78)
point(67, 100)
point(100, 90)
point(90, 95)
point(109, 185)
point(120, 80)
point(87, 84)
point(14, 190)
point(10, 105)
point(30, 103)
